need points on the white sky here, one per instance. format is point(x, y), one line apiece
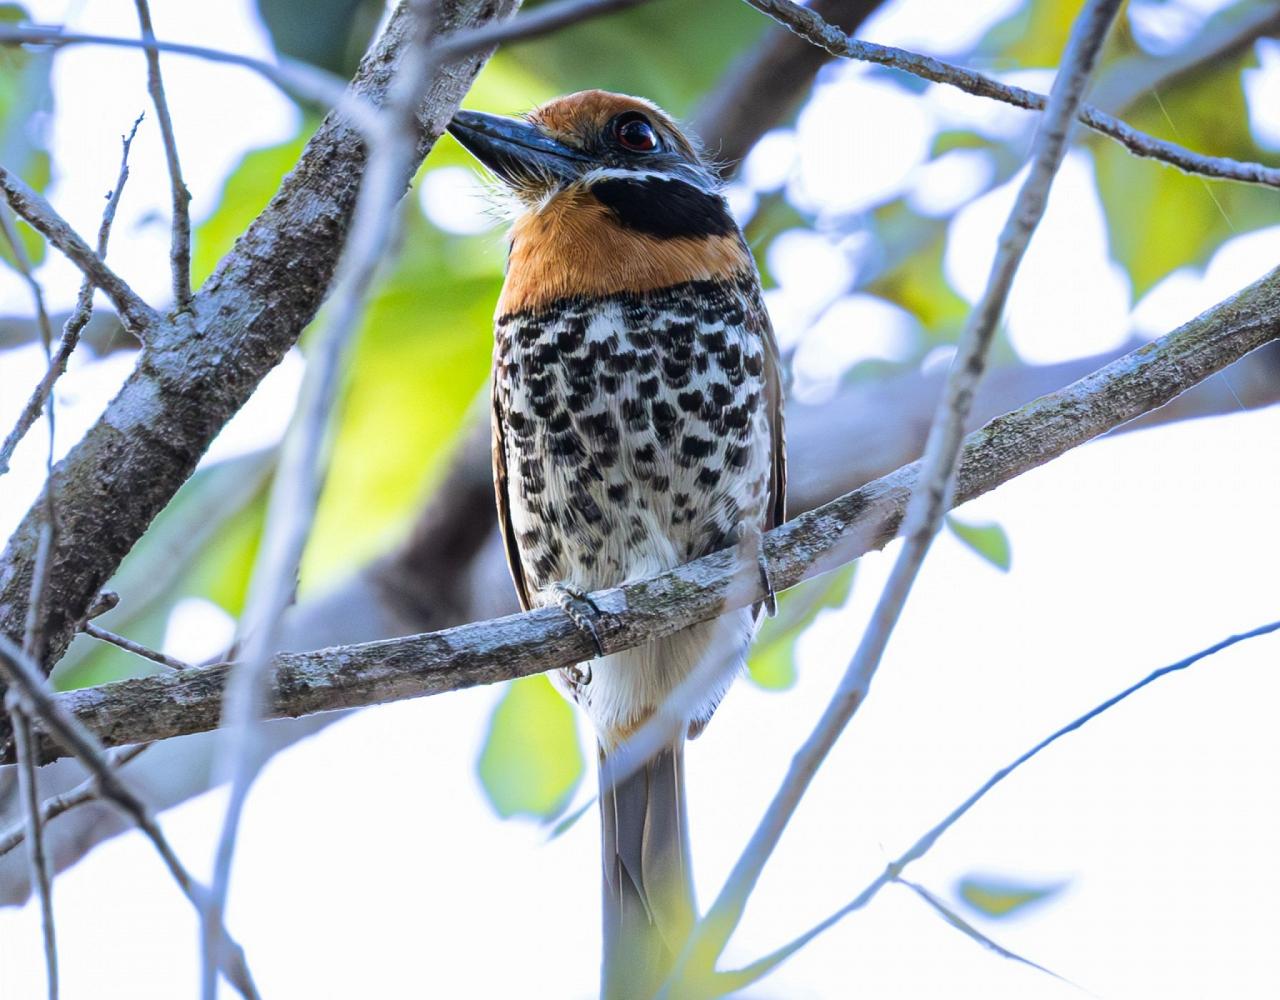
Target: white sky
point(371, 865)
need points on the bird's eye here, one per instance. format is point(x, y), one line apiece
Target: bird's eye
point(634, 133)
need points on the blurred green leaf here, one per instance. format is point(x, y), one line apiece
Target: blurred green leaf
point(532, 761)
point(331, 34)
point(201, 545)
point(771, 664)
point(1160, 219)
point(1035, 35)
point(997, 897)
point(671, 52)
point(26, 103)
point(570, 820)
point(246, 192)
point(988, 540)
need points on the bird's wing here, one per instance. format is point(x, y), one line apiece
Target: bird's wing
point(500, 487)
point(777, 512)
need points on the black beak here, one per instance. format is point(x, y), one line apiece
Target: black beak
point(515, 150)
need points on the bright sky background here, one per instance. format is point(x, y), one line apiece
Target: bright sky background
point(371, 865)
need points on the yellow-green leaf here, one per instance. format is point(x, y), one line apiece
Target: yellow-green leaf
point(532, 761)
point(988, 540)
point(997, 897)
point(771, 664)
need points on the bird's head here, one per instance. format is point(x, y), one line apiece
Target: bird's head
point(612, 198)
point(581, 141)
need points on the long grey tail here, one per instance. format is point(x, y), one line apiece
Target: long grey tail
point(648, 884)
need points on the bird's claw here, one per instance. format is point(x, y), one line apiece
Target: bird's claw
point(770, 599)
point(582, 611)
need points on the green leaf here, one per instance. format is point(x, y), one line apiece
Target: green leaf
point(532, 761)
point(570, 820)
point(772, 661)
point(26, 99)
point(1160, 219)
point(988, 540)
point(994, 896)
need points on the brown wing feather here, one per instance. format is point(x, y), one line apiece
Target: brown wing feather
point(500, 487)
point(777, 512)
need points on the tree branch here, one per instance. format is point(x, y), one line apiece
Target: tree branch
point(138, 317)
point(804, 22)
point(191, 379)
point(75, 322)
point(180, 246)
point(163, 706)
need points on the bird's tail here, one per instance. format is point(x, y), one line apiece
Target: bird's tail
point(648, 885)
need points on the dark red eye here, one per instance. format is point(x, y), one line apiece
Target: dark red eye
point(634, 132)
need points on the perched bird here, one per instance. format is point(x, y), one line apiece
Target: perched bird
point(637, 424)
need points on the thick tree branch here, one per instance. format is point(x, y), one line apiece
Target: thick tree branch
point(159, 707)
point(191, 379)
point(804, 22)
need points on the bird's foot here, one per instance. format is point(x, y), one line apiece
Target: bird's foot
point(581, 610)
point(762, 565)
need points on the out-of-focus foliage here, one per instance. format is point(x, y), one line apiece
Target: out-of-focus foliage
point(332, 34)
point(994, 896)
point(532, 761)
point(26, 102)
point(772, 662)
point(1161, 219)
point(988, 540)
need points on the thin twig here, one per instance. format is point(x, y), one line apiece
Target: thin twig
point(893, 871)
point(296, 489)
point(146, 652)
point(966, 928)
point(28, 783)
point(180, 242)
point(135, 314)
point(56, 805)
point(809, 25)
point(541, 21)
point(22, 674)
point(295, 78)
point(34, 835)
point(76, 322)
point(930, 499)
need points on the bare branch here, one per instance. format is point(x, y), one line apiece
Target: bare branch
point(75, 322)
point(29, 688)
point(930, 499)
point(807, 24)
point(34, 833)
point(136, 648)
point(137, 316)
point(893, 871)
point(295, 78)
point(300, 478)
point(179, 703)
point(542, 21)
point(967, 929)
point(180, 246)
point(86, 791)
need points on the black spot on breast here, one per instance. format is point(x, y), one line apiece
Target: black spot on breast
point(664, 207)
point(690, 402)
point(708, 476)
point(693, 446)
point(648, 388)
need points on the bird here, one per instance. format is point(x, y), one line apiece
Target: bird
point(637, 425)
